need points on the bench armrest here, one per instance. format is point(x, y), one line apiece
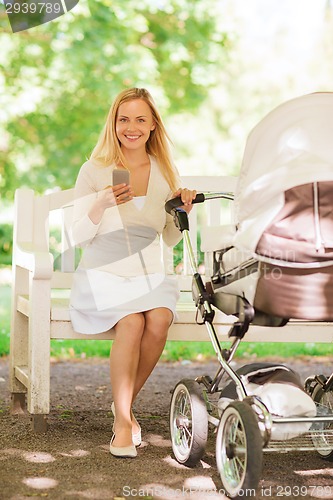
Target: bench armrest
point(40, 263)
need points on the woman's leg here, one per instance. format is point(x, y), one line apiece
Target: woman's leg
point(157, 322)
point(124, 362)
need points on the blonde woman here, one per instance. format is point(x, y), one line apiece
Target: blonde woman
point(120, 281)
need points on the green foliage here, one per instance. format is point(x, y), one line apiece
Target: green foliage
point(6, 245)
point(6, 233)
point(4, 319)
point(178, 252)
point(59, 79)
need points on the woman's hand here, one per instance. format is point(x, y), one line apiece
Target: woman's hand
point(187, 196)
point(109, 197)
point(115, 195)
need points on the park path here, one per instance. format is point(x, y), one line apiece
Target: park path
point(72, 460)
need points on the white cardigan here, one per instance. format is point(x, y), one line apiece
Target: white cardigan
point(90, 181)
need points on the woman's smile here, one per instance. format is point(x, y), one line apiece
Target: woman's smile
point(132, 137)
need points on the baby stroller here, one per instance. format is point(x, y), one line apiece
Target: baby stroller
point(273, 264)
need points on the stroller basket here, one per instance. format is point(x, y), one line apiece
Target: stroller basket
point(319, 438)
point(320, 441)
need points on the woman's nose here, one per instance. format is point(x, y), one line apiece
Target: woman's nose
point(130, 126)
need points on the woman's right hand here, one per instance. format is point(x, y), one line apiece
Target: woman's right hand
point(115, 195)
point(109, 197)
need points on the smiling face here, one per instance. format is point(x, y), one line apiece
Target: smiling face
point(134, 123)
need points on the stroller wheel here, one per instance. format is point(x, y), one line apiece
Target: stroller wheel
point(322, 432)
point(188, 422)
point(239, 450)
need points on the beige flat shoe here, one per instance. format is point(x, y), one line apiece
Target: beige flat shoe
point(136, 436)
point(122, 451)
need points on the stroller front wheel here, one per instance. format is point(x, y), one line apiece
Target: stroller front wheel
point(239, 450)
point(188, 422)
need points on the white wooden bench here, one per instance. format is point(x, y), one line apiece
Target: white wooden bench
point(40, 294)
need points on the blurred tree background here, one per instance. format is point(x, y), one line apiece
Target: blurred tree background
point(214, 67)
point(58, 80)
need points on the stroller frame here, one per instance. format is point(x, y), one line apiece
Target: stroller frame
point(244, 428)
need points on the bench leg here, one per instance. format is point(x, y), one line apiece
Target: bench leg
point(18, 344)
point(39, 348)
point(39, 423)
point(18, 403)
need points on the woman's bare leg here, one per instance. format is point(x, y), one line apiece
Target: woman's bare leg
point(157, 322)
point(124, 362)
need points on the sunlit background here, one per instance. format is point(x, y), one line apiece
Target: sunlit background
point(280, 49)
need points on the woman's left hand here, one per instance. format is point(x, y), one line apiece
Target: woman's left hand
point(187, 196)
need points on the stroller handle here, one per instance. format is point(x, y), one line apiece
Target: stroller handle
point(177, 202)
point(174, 203)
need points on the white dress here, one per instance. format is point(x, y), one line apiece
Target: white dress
point(121, 270)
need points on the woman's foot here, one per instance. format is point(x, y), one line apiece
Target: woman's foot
point(136, 429)
point(136, 436)
point(128, 451)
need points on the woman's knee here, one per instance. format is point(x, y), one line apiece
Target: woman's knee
point(158, 321)
point(133, 323)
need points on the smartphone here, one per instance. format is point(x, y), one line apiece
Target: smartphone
point(120, 176)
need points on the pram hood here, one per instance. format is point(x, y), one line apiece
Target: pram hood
point(290, 147)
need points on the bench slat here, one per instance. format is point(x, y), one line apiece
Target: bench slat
point(185, 329)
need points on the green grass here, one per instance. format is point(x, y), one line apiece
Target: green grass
point(178, 351)
point(67, 349)
point(193, 351)
point(4, 319)
point(174, 351)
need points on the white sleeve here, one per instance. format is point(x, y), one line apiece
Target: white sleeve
point(171, 234)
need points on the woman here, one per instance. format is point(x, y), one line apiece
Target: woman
point(120, 281)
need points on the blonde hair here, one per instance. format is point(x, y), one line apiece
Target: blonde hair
point(108, 151)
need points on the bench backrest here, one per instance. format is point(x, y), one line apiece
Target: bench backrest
point(35, 215)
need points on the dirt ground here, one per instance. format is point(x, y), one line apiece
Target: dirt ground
point(72, 460)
